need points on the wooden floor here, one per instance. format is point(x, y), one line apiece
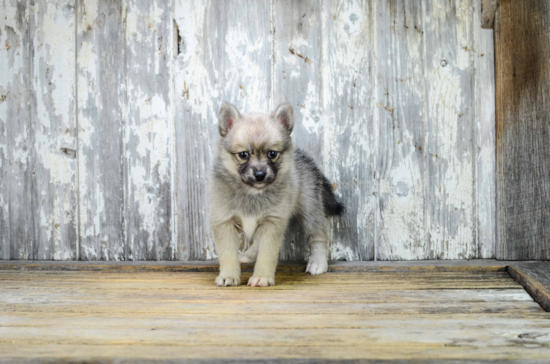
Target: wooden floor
point(91, 316)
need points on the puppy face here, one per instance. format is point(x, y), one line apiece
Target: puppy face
point(254, 146)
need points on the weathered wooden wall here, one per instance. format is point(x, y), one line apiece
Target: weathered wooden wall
point(108, 122)
point(522, 36)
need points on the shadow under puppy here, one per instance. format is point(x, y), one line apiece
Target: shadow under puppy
point(260, 182)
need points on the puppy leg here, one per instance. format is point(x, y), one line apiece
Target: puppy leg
point(227, 247)
point(316, 229)
point(250, 255)
point(318, 256)
point(269, 237)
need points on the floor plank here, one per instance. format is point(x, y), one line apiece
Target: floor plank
point(535, 278)
point(169, 316)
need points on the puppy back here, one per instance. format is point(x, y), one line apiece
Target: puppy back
point(307, 166)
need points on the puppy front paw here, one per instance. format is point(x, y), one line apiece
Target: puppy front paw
point(227, 280)
point(317, 265)
point(261, 281)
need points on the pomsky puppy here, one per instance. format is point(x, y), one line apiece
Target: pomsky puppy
point(260, 182)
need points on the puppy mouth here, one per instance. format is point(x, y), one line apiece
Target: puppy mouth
point(257, 185)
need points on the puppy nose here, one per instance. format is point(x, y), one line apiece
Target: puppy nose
point(260, 176)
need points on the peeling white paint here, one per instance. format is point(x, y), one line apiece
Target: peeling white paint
point(21, 152)
point(311, 117)
point(402, 216)
point(153, 135)
point(455, 179)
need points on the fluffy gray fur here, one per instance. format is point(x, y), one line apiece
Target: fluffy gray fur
point(260, 182)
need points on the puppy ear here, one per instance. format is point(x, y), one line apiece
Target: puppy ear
point(284, 115)
point(227, 117)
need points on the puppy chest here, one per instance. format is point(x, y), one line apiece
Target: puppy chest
point(249, 224)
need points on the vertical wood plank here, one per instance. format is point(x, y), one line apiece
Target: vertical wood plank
point(349, 142)
point(101, 106)
point(400, 113)
point(53, 118)
point(5, 77)
point(485, 130)
point(448, 31)
point(16, 137)
point(297, 80)
point(522, 51)
point(224, 54)
point(148, 142)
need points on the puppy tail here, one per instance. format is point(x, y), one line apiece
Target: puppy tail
point(332, 206)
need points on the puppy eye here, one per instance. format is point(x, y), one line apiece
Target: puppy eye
point(243, 155)
point(272, 154)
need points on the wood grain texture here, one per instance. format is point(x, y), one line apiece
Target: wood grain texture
point(101, 72)
point(488, 10)
point(522, 50)
point(450, 153)
point(16, 142)
point(349, 131)
point(400, 117)
point(435, 200)
point(54, 130)
point(297, 75)
point(224, 55)
point(115, 113)
point(148, 142)
point(77, 316)
point(485, 141)
point(535, 278)
point(38, 194)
